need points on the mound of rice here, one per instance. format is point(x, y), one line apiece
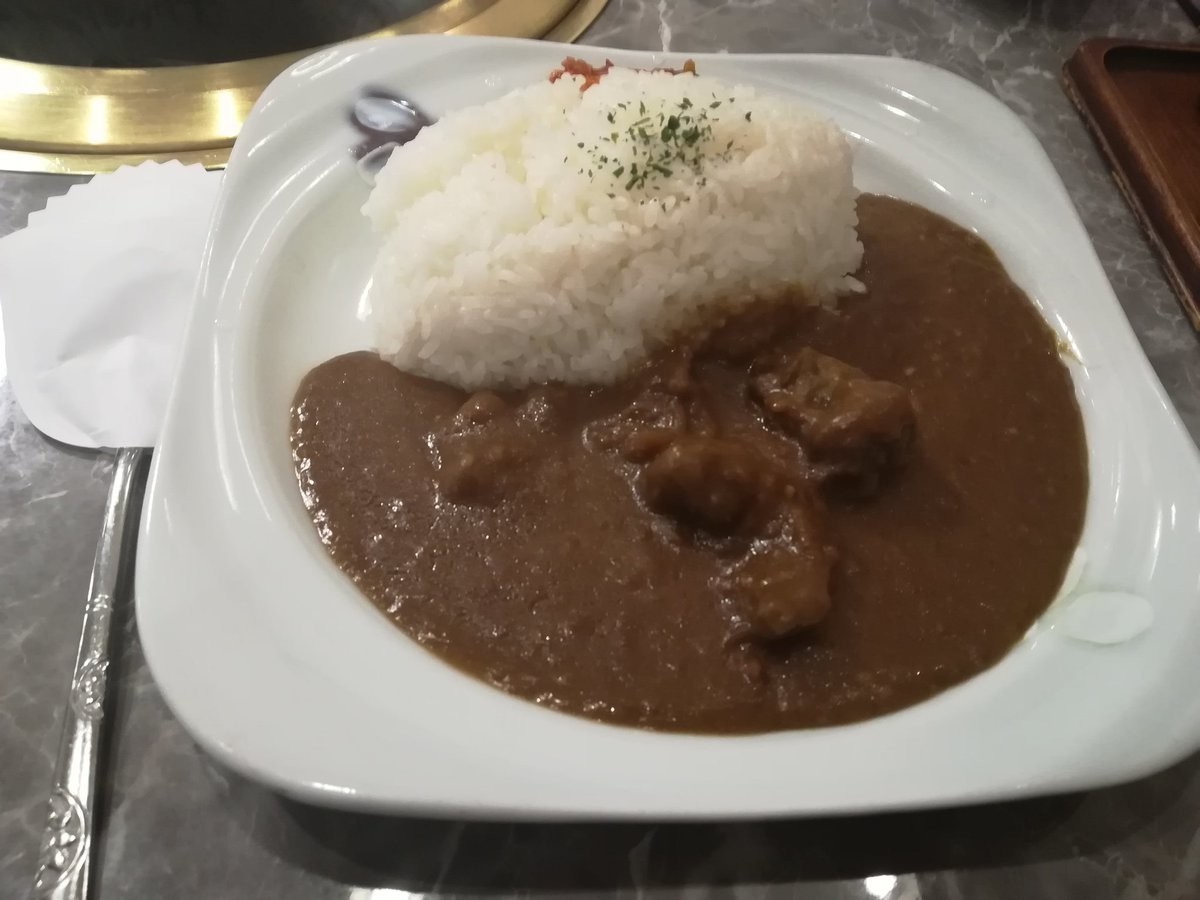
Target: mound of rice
point(519, 246)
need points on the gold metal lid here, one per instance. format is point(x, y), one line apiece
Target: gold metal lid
point(79, 120)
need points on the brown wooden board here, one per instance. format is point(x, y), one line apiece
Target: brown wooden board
point(1142, 103)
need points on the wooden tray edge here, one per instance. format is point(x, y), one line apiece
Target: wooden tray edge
point(1078, 78)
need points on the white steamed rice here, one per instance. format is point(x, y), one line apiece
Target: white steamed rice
point(503, 264)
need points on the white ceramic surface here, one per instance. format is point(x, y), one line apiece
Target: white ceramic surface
point(283, 671)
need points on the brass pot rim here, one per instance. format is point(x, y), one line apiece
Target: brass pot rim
point(85, 119)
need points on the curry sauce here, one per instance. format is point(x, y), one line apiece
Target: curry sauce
point(801, 517)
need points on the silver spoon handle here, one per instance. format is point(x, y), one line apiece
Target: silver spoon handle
point(64, 863)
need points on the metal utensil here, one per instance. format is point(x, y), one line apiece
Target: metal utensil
point(64, 863)
point(385, 121)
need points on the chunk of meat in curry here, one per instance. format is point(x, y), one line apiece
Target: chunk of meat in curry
point(855, 428)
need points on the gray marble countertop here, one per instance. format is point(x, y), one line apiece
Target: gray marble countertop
point(177, 826)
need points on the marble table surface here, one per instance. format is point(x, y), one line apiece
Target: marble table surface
point(177, 826)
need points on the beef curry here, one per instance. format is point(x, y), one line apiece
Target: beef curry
point(798, 517)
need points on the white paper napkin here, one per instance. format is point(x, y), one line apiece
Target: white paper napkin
point(95, 294)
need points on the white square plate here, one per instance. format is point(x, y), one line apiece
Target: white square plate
point(276, 664)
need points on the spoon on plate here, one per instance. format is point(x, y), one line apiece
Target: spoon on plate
point(386, 121)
